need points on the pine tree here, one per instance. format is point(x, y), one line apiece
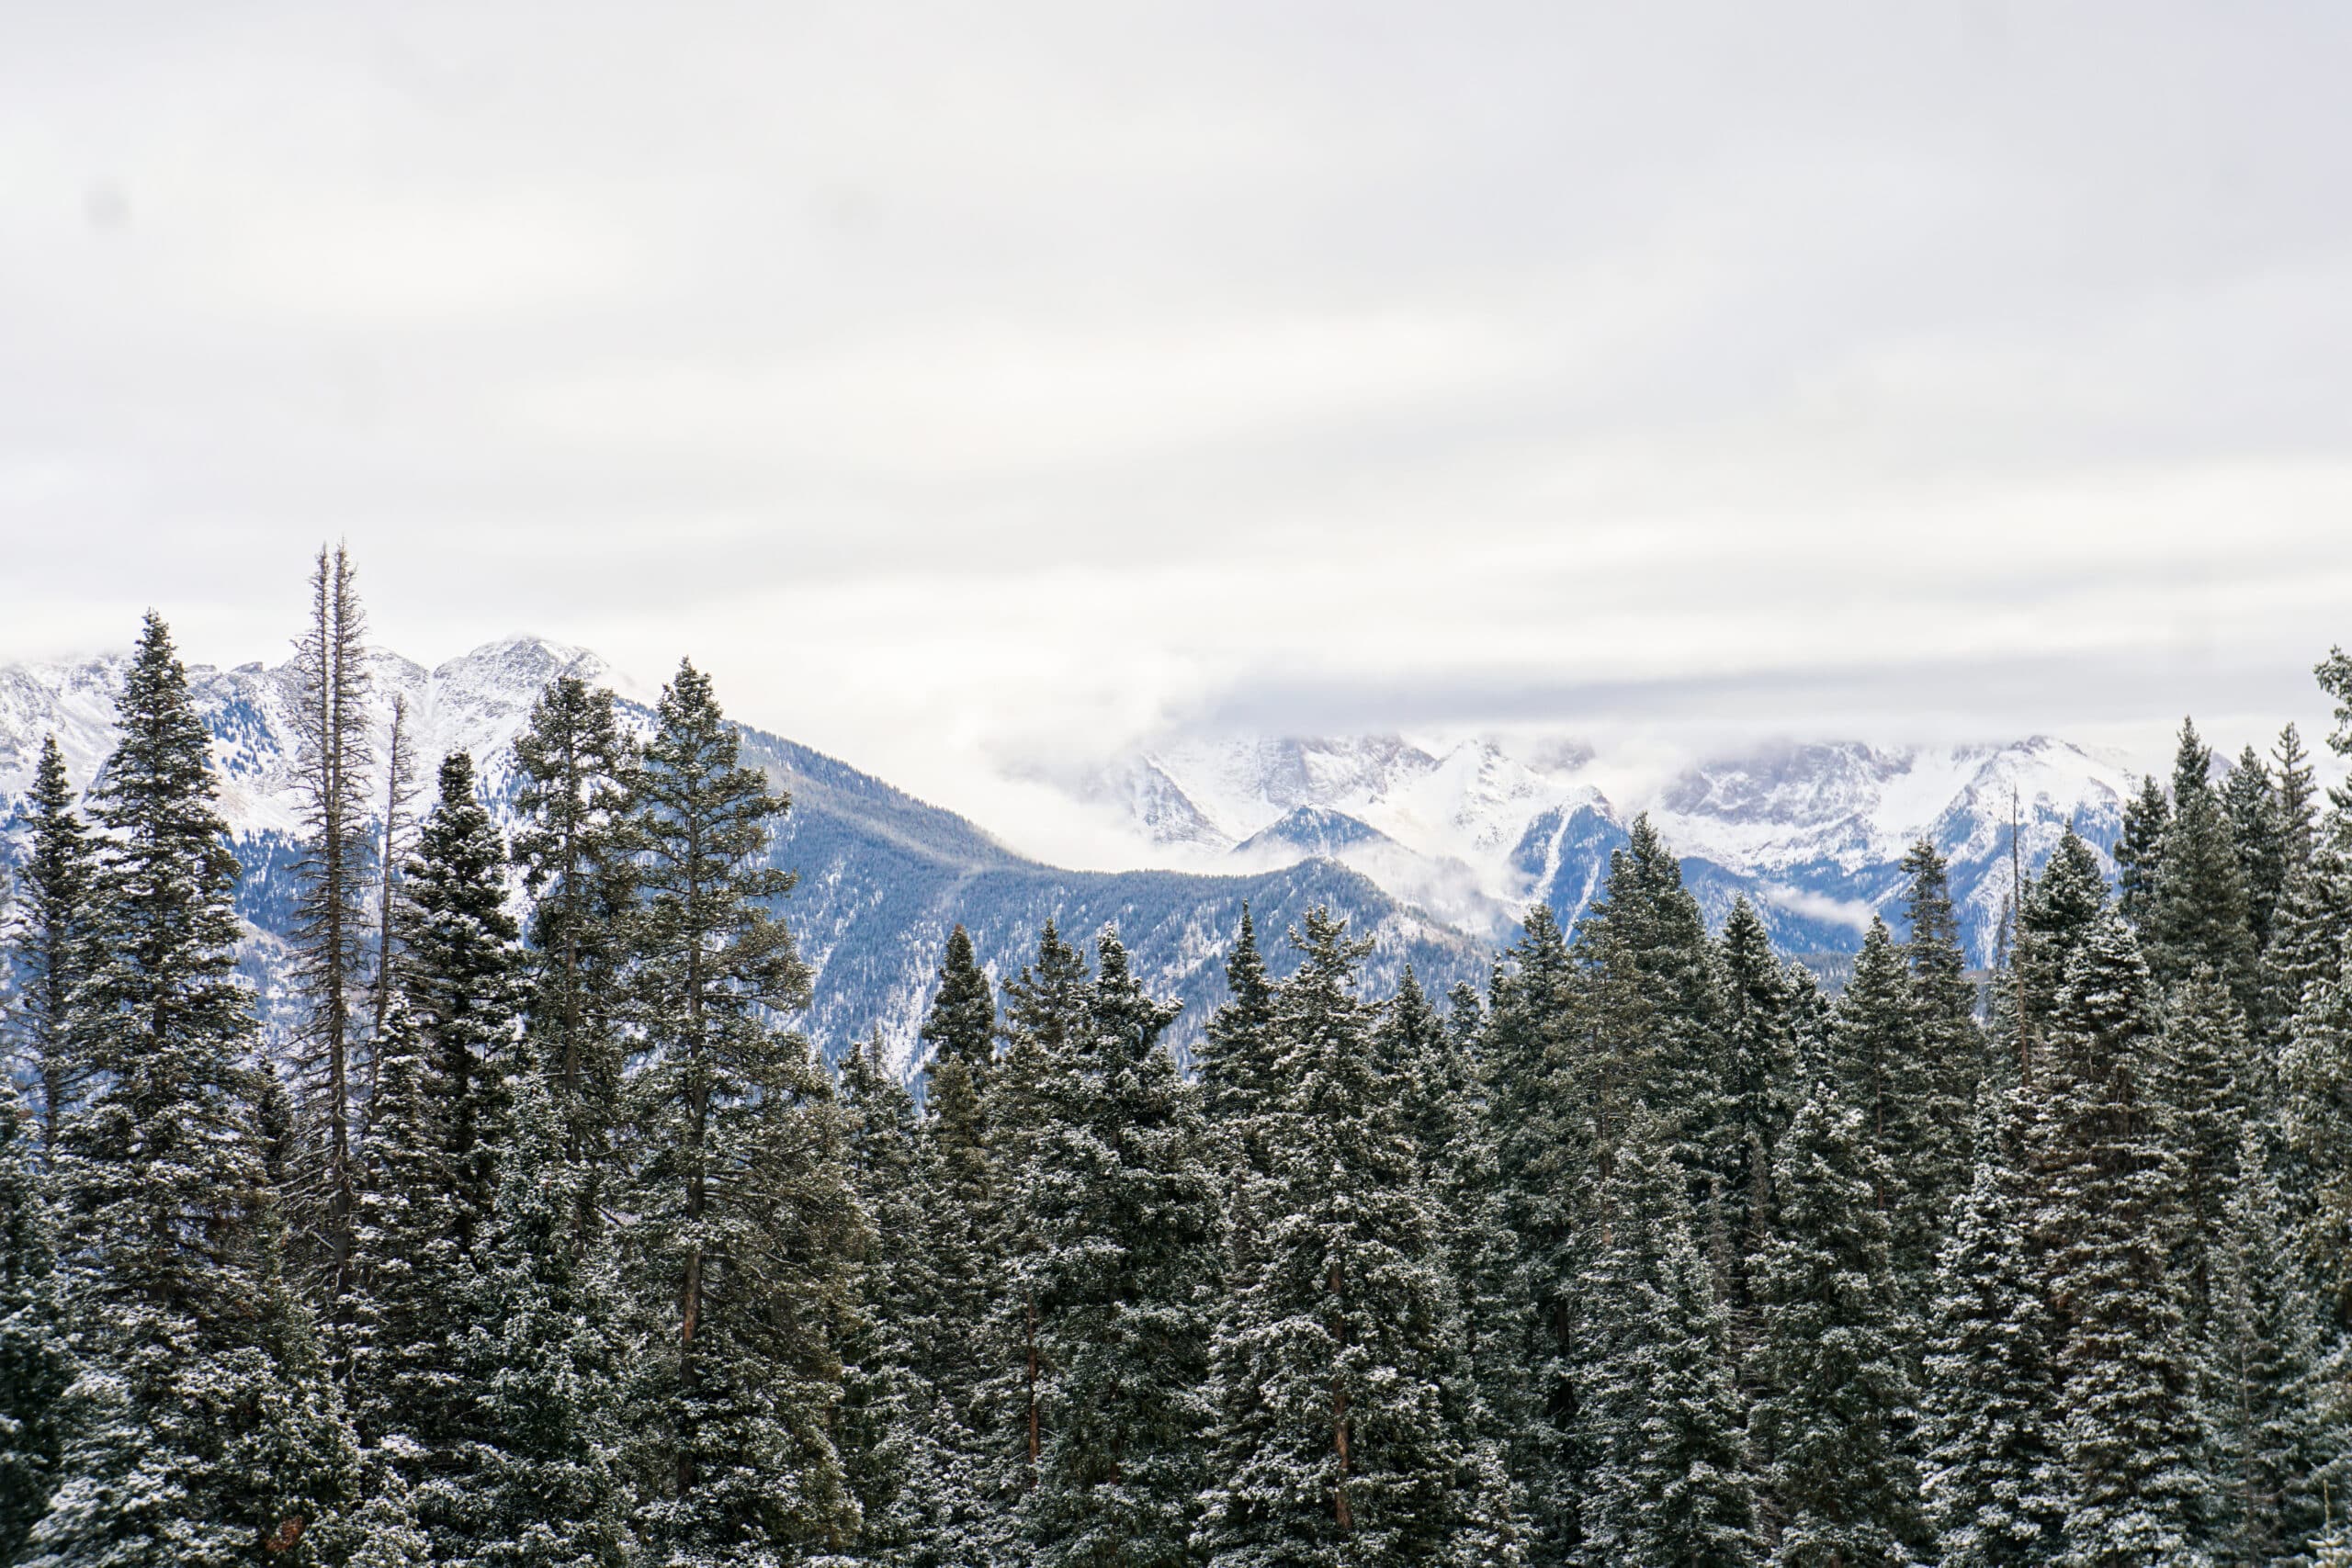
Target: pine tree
point(1236, 1062)
point(741, 1227)
point(1881, 1068)
point(1338, 1440)
point(1445, 1098)
point(1124, 1206)
point(2297, 795)
point(2259, 831)
point(2279, 1427)
point(2201, 1071)
point(2060, 909)
point(463, 986)
point(1657, 1014)
point(35, 1366)
point(1833, 1424)
point(962, 1021)
point(888, 1426)
point(2200, 910)
point(573, 847)
point(1029, 1091)
point(543, 1364)
point(53, 928)
point(2109, 1210)
point(406, 1313)
point(1950, 1036)
point(1993, 1485)
point(1661, 1405)
point(2315, 1103)
point(203, 1422)
point(329, 724)
point(1761, 1092)
point(2139, 851)
point(1533, 1051)
point(2307, 937)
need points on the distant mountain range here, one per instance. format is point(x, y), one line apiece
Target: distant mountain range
point(1476, 831)
point(1434, 849)
point(883, 875)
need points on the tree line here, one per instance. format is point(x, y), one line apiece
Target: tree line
point(551, 1242)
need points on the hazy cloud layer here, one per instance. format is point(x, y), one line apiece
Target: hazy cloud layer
point(958, 381)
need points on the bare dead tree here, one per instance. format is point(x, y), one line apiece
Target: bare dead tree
point(330, 929)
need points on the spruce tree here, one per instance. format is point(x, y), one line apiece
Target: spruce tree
point(1949, 1037)
point(204, 1425)
point(1124, 1204)
point(1880, 1065)
point(573, 844)
point(332, 755)
point(1994, 1481)
point(1834, 1419)
point(1761, 1089)
point(2297, 795)
point(741, 1227)
point(1656, 1012)
point(890, 1428)
point(1029, 1091)
point(462, 983)
point(406, 1315)
point(961, 1023)
point(2278, 1418)
point(543, 1364)
point(1446, 1109)
point(2108, 1210)
point(2199, 1074)
point(1341, 1436)
point(1533, 1052)
point(2060, 909)
point(52, 924)
point(2315, 1103)
point(35, 1366)
point(2200, 912)
point(1661, 1406)
point(2259, 831)
point(2139, 851)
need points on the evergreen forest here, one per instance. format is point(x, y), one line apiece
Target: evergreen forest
point(546, 1241)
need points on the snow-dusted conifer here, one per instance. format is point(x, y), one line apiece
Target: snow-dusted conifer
point(2278, 1417)
point(462, 985)
point(1660, 1404)
point(542, 1364)
point(1125, 1205)
point(1762, 1091)
point(50, 923)
point(741, 1226)
point(204, 1423)
point(1340, 1437)
point(1833, 1422)
point(35, 1365)
point(1993, 1484)
point(573, 845)
point(2108, 1210)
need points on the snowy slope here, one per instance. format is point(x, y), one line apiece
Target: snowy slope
point(1477, 828)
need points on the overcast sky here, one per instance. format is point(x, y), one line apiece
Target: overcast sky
point(967, 381)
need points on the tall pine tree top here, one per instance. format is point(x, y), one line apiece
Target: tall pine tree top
point(961, 1025)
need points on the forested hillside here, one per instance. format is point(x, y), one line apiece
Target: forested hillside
point(549, 1238)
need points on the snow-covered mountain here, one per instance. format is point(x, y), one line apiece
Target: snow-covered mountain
point(1475, 829)
point(883, 877)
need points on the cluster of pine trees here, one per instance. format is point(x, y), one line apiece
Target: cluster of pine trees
point(553, 1243)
